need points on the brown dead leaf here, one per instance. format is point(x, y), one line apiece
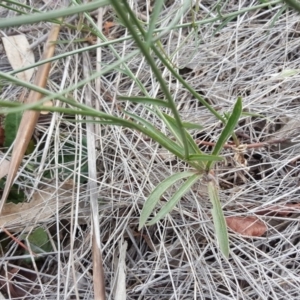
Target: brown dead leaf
point(42, 206)
point(19, 55)
point(280, 210)
point(247, 226)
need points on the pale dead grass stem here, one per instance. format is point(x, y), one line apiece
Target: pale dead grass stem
point(178, 258)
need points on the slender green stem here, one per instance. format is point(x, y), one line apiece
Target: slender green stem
point(104, 119)
point(187, 86)
point(63, 55)
point(225, 16)
point(146, 52)
point(60, 96)
point(106, 43)
point(17, 3)
point(102, 37)
point(50, 15)
point(65, 12)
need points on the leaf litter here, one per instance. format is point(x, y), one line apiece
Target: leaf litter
point(19, 55)
point(183, 261)
point(44, 203)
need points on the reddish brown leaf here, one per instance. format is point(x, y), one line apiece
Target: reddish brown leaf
point(248, 226)
point(280, 210)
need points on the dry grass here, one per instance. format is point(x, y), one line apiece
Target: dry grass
point(178, 258)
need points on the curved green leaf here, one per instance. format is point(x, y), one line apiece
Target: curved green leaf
point(153, 21)
point(157, 193)
point(172, 126)
point(228, 129)
point(176, 197)
point(219, 219)
point(156, 135)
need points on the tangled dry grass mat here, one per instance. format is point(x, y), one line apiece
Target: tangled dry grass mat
point(254, 55)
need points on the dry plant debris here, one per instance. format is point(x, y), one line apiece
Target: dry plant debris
point(29, 118)
point(42, 205)
point(247, 226)
point(178, 257)
point(19, 55)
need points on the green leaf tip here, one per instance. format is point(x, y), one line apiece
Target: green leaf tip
point(175, 199)
point(218, 219)
point(154, 197)
point(228, 129)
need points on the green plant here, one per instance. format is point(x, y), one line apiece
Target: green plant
point(179, 142)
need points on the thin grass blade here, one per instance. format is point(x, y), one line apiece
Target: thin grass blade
point(157, 193)
point(294, 4)
point(153, 22)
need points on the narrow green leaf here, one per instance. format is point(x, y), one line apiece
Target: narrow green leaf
point(157, 193)
point(189, 125)
point(107, 119)
point(192, 146)
point(174, 200)
point(205, 157)
point(223, 24)
point(228, 129)
point(50, 15)
point(156, 135)
point(276, 17)
point(121, 122)
point(172, 125)
point(153, 21)
point(145, 100)
point(219, 219)
point(148, 130)
point(129, 19)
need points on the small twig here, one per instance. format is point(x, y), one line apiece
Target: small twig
point(248, 146)
point(17, 241)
